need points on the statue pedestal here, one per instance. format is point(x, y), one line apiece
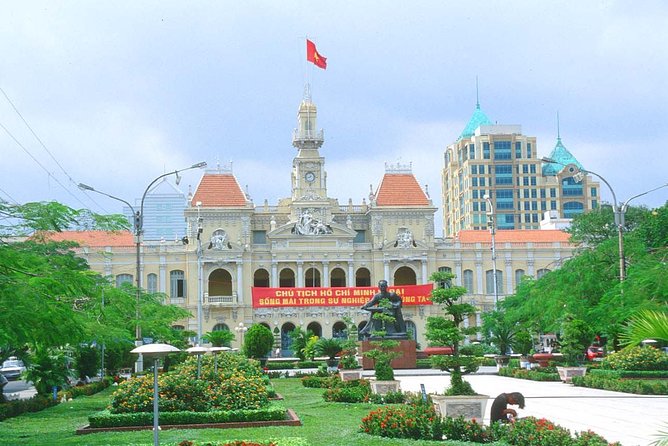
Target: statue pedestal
point(407, 360)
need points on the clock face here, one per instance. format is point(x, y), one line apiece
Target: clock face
point(310, 177)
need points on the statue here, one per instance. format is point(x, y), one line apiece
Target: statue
point(393, 330)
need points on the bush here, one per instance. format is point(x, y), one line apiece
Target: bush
point(534, 375)
point(319, 382)
point(107, 419)
point(637, 386)
point(636, 358)
point(416, 421)
point(258, 341)
point(462, 430)
point(532, 431)
point(17, 407)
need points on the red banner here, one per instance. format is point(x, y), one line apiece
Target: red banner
point(335, 297)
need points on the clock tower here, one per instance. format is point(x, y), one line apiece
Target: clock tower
point(309, 180)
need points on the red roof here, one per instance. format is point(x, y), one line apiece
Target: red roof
point(514, 236)
point(94, 238)
point(400, 190)
point(219, 189)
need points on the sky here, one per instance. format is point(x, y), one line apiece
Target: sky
point(114, 94)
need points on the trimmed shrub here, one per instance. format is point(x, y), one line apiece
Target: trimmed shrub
point(636, 358)
point(417, 421)
point(534, 375)
point(107, 419)
point(17, 407)
point(462, 430)
point(637, 386)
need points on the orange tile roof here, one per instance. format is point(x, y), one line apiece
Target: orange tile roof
point(400, 189)
point(514, 236)
point(218, 189)
point(94, 238)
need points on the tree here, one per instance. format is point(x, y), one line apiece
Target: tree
point(449, 331)
point(647, 324)
point(219, 338)
point(300, 339)
point(498, 330)
point(258, 341)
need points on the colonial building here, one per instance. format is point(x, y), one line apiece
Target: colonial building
point(494, 170)
point(310, 241)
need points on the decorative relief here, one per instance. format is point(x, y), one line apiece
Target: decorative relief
point(308, 225)
point(404, 239)
point(310, 196)
point(219, 240)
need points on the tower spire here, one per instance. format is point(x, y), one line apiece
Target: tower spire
point(477, 97)
point(558, 128)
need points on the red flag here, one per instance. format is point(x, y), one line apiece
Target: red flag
point(312, 55)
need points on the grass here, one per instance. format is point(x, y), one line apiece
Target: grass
point(324, 424)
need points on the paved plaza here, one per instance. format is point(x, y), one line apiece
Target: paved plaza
point(633, 420)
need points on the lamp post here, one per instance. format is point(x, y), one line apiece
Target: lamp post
point(619, 210)
point(491, 224)
point(155, 351)
point(199, 351)
point(241, 329)
point(138, 226)
point(199, 273)
point(214, 351)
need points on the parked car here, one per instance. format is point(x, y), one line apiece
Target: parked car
point(595, 353)
point(12, 368)
point(125, 373)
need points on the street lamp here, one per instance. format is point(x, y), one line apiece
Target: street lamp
point(491, 224)
point(199, 273)
point(199, 351)
point(155, 351)
point(241, 329)
point(138, 225)
point(619, 210)
point(214, 351)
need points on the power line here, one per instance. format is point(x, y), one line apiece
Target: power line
point(47, 151)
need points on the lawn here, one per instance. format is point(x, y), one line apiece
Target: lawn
point(324, 424)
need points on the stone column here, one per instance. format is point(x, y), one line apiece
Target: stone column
point(325, 274)
point(240, 281)
point(274, 273)
point(300, 274)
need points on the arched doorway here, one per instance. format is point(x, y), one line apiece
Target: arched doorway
point(360, 326)
point(220, 283)
point(286, 340)
point(339, 330)
point(405, 276)
point(261, 278)
point(220, 327)
point(286, 278)
point(338, 278)
point(411, 330)
point(362, 277)
point(316, 328)
point(312, 278)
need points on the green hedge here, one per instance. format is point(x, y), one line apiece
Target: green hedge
point(637, 386)
point(281, 365)
point(644, 374)
point(86, 389)
point(533, 375)
point(17, 407)
point(107, 419)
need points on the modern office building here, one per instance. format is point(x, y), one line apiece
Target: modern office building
point(164, 205)
point(497, 165)
point(307, 260)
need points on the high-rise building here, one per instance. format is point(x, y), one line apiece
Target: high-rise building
point(498, 165)
point(163, 212)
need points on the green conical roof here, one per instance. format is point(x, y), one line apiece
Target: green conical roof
point(561, 155)
point(479, 118)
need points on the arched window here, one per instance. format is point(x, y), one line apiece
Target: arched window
point(362, 277)
point(445, 269)
point(571, 188)
point(339, 330)
point(220, 283)
point(519, 274)
point(573, 208)
point(312, 278)
point(220, 327)
point(286, 279)
point(541, 272)
point(489, 281)
point(152, 283)
point(411, 330)
point(177, 284)
point(405, 276)
point(315, 328)
point(123, 278)
point(286, 340)
point(468, 280)
point(178, 327)
point(337, 278)
point(261, 278)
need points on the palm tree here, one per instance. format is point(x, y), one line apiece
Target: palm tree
point(648, 324)
point(219, 338)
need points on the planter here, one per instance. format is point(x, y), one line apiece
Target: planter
point(350, 374)
point(384, 387)
point(332, 365)
point(501, 361)
point(543, 359)
point(567, 373)
point(525, 362)
point(471, 407)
